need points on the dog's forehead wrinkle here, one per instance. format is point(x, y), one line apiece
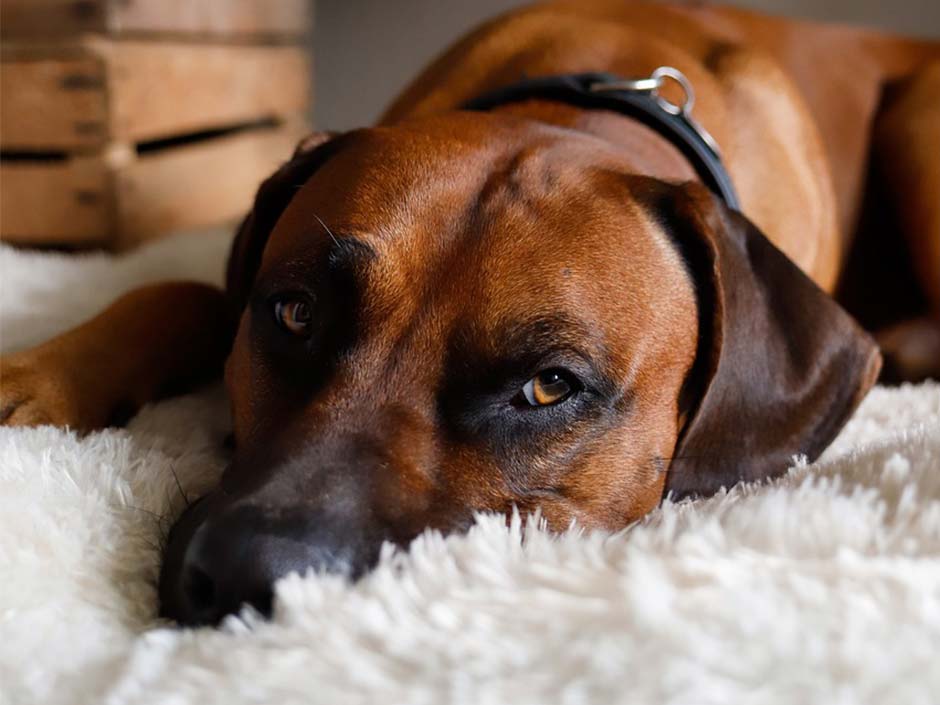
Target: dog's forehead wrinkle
point(527, 168)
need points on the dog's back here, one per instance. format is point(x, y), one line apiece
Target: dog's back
point(790, 102)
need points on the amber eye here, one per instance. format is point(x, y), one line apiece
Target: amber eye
point(548, 387)
point(293, 315)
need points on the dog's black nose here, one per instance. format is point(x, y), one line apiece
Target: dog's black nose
point(234, 559)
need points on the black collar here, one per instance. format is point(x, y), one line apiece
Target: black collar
point(637, 99)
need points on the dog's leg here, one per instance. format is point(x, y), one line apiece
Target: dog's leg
point(151, 342)
point(907, 146)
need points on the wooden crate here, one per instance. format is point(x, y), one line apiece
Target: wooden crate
point(227, 19)
point(118, 199)
point(108, 140)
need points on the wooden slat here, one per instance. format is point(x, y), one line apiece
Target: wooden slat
point(51, 18)
point(229, 19)
point(197, 185)
point(213, 17)
point(54, 103)
point(87, 95)
point(55, 203)
point(162, 89)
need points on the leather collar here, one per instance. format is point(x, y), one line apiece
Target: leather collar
point(602, 91)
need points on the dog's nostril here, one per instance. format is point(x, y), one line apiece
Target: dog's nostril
point(200, 588)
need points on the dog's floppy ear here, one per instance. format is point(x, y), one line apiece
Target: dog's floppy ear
point(272, 198)
point(780, 365)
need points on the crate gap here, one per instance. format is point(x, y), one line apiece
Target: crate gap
point(164, 143)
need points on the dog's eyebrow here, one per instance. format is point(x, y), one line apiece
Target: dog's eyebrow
point(526, 342)
point(349, 250)
point(550, 332)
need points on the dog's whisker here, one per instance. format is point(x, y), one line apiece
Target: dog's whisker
point(179, 487)
point(662, 463)
point(328, 231)
point(159, 517)
point(159, 520)
point(153, 545)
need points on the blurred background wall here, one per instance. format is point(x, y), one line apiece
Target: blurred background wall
point(366, 50)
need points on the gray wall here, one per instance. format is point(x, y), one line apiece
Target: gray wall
point(366, 50)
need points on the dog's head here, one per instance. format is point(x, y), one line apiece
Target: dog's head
point(475, 313)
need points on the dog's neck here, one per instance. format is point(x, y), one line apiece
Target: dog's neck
point(647, 152)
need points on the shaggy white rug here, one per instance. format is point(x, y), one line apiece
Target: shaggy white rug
point(821, 588)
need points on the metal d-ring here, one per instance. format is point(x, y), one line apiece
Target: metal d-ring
point(652, 86)
point(683, 108)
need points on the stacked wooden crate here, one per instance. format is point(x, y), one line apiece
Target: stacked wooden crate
point(122, 120)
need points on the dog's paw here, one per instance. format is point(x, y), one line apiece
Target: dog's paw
point(39, 390)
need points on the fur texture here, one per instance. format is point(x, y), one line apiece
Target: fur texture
point(821, 587)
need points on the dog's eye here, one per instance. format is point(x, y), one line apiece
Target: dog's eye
point(549, 387)
point(293, 315)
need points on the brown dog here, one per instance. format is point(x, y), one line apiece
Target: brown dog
point(534, 306)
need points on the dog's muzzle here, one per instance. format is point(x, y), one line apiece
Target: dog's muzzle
point(228, 551)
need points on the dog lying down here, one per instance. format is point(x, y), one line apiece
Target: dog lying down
point(572, 292)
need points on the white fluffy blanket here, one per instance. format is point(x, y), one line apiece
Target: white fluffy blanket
point(823, 587)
